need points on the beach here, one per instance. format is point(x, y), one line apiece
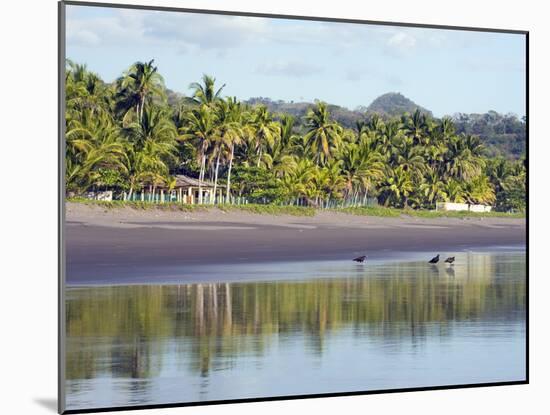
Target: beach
point(111, 243)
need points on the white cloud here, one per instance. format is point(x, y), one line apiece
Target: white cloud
point(402, 40)
point(359, 74)
point(83, 37)
point(353, 75)
point(163, 29)
point(288, 68)
point(188, 31)
point(494, 66)
point(203, 31)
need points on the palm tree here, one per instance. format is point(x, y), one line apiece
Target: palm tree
point(229, 131)
point(397, 188)
point(93, 144)
point(285, 164)
point(375, 123)
point(473, 144)
point(301, 176)
point(155, 125)
point(148, 165)
point(323, 135)
point(499, 171)
point(435, 155)
point(206, 92)
point(139, 85)
point(201, 129)
point(84, 91)
point(409, 158)
point(287, 137)
point(416, 127)
point(361, 167)
point(316, 185)
point(265, 131)
point(123, 135)
point(454, 191)
point(433, 188)
point(333, 181)
point(390, 135)
point(153, 147)
point(460, 162)
point(445, 129)
point(480, 190)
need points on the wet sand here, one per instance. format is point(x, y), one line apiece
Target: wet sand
point(107, 244)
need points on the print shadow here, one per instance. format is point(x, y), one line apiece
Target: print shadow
point(48, 403)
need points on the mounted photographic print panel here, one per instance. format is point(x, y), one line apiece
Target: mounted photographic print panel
point(259, 207)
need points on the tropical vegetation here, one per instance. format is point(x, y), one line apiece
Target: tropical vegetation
point(126, 136)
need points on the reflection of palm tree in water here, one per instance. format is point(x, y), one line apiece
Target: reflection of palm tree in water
point(228, 311)
point(223, 321)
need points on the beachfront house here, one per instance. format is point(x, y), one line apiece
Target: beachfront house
point(458, 207)
point(185, 190)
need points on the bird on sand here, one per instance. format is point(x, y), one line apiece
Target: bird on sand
point(450, 260)
point(434, 260)
point(360, 258)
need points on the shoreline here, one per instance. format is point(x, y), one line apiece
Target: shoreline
point(127, 243)
point(288, 271)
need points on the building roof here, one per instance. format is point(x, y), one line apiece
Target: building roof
point(186, 181)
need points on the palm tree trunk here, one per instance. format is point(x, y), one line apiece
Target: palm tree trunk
point(216, 175)
point(201, 176)
point(228, 187)
point(259, 157)
point(142, 104)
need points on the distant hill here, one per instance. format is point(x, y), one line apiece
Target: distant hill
point(173, 97)
point(344, 116)
point(394, 104)
point(502, 134)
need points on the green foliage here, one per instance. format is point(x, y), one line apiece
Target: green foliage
point(137, 205)
point(176, 207)
point(503, 134)
point(509, 181)
point(428, 214)
point(258, 184)
point(126, 137)
point(271, 209)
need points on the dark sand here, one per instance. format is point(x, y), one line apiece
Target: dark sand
point(114, 244)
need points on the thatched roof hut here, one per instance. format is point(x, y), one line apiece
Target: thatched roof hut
point(185, 182)
point(186, 190)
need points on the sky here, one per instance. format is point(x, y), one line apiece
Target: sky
point(445, 71)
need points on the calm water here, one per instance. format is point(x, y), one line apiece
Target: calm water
point(328, 327)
